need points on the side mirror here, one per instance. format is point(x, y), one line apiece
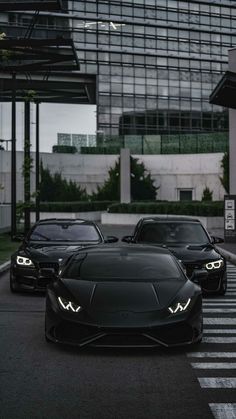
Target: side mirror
point(127, 239)
point(216, 240)
point(49, 273)
point(111, 239)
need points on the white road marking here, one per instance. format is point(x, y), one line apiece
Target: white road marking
point(219, 310)
point(220, 331)
point(217, 382)
point(220, 320)
point(217, 339)
point(214, 365)
point(223, 410)
point(219, 304)
point(211, 354)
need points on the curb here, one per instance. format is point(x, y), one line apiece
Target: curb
point(230, 257)
point(5, 266)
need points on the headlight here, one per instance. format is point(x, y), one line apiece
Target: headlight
point(69, 305)
point(214, 265)
point(21, 260)
point(178, 307)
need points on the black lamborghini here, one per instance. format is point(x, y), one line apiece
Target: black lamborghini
point(47, 245)
point(190, 242)
point(123, 296)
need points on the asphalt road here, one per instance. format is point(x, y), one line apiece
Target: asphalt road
point(41, 380)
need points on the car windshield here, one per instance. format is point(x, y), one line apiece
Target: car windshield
point(123, 266)
point(65, 232)
point(172, 233)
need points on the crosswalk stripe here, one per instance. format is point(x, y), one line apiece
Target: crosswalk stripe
point(223, 339)
point(217, 382)
point(219, 331)
point(218, 300)
point(218, 304)
point(223, 410)
point(214, 365)
point(211, 354)
point(219, 310)
point(225, 321)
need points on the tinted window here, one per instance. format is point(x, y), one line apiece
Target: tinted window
point(123, 266)
point(65, 232)
point(172, 233)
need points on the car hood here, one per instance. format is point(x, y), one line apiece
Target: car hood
point(195, 253)
point(123, 296)
point(53, 252)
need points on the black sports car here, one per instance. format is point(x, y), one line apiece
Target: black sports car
point(190, 243)
point(47, 245)
point(123, 296)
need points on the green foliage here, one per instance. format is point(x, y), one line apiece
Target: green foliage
point(194, 208)
point(53, 188)
point(142, 187)
point(207, 194)
point(81, 206)
point(225, 166)
point(64, 149)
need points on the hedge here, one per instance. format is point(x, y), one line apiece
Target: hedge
point(196, 208)
point(80, 206)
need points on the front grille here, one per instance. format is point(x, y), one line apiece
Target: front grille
point(169, 335)
point(50, 265)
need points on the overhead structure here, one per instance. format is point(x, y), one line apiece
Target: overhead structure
point(39, 5)
point(57, 54)
point(61, 87)
point(225, 92)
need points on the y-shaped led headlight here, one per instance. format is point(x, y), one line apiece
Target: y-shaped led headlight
point(217, 264)
point(21, 260)
point(68, 305)
point(178, 307)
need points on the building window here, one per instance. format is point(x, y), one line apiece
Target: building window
point(185, 194)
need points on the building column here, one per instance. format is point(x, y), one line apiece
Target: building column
point(125, 187)
point(232, 133)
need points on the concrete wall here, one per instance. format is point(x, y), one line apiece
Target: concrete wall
point(5, 218)
point(170, 172)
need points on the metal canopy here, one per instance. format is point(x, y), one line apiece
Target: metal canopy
point(38, 5)
point(38, 54)
point(73, 88)
point(224, 93)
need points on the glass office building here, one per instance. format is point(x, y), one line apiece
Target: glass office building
point(156, 61)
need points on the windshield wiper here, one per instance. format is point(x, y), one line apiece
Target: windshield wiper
point(40, 235)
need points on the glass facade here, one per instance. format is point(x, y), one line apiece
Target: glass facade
point(156, 61)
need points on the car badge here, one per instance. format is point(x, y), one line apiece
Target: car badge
point(60, 260)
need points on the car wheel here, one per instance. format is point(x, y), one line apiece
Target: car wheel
point(223, 285)
point(14, 286)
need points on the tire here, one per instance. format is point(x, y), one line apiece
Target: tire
point(14, 286)
point(223, 286)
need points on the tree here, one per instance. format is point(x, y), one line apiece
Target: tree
point(142, 185)
point(53, 188)
point(207, 194)
point(225, 166)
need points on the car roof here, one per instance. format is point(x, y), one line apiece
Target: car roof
point(64, 220)
point(166, 218)
point(128, 249)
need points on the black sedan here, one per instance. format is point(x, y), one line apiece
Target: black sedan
point(123, 296)
point(190, 243)
point(47, 245)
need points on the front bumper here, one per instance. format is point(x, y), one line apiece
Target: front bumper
point(65, 328)
point(29, 278)
point(213, 280)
